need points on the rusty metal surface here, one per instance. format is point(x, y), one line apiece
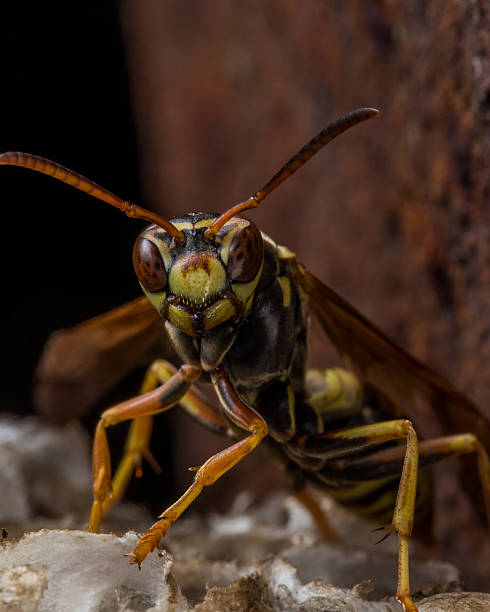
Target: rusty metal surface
point(395, 215)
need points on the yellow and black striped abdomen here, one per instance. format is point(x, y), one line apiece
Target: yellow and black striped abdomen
point(361, 473)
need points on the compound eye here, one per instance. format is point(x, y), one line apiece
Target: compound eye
point(246, 254)
point(148, 265)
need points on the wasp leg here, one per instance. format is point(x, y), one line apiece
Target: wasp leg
point(309, 501)
point(153, 402)
point(459, 444)
point(138, 439)
point(244, 417)
point(348, 441)
point(389, 461)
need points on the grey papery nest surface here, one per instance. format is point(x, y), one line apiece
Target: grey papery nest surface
point(259, 558)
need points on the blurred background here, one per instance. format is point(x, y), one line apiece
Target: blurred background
point(181, 106)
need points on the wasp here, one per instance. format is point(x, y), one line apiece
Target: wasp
point(236, 308)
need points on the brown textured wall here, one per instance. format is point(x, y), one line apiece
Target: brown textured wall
point(395, 215)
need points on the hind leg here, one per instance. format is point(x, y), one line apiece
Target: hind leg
point(377, 465)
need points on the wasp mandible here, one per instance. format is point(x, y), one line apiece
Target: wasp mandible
point(235, 306)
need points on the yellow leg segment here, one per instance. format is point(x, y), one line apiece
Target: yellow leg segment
point(137, 444)
point(403, 589)
point(140, 409)
point(430, 451)
point(403, 514)
point(448, 446)
point(135, 449)
point(243, 416)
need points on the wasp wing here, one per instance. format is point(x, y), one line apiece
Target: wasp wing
point(381, 364)
point(81, 364)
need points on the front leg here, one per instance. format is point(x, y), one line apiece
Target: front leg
point(160, 399)
point(137, 443)
point(244, 417)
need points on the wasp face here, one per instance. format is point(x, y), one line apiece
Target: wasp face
point(200, 282)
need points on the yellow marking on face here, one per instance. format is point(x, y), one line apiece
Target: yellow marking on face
point(285, 285)
point(157, 300)
point(197, 277)
point(183, 225)
point(244, 290)
point(181, 319)
point(217, 313)
point(205, 223)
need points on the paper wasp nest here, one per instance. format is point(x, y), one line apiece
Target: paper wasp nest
point(263, 559)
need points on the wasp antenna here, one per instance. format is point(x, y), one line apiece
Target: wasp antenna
point(316, 144)
point(232, 212)
point(59, 172)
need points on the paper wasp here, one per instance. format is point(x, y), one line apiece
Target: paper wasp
point(235, 306)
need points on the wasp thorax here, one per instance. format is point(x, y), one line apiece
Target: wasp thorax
point(196, 278)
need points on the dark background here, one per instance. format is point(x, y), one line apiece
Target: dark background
point(65, 96)
point(66, 256)
point(184, 106)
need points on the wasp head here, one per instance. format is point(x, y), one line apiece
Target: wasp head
point(200, 281)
